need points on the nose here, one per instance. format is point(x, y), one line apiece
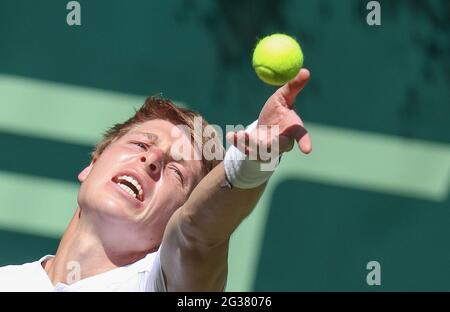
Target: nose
point(154, 161)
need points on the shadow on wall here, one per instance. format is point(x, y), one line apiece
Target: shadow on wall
point(323, 240)
point(390, 79)
point(19, 248)
point(43, 157)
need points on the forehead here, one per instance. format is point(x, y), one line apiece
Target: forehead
point(167, 129)
point(164, 134)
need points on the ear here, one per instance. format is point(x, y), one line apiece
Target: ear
point(84, 174)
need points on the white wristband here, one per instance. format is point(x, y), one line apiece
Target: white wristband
point(242, 172)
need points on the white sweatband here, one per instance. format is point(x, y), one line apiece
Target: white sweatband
point(242, 172)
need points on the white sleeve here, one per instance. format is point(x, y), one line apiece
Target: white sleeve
point(154, 278)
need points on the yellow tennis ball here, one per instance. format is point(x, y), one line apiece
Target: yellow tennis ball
point(277, 59)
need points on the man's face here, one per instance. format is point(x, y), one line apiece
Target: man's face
point(136, 182)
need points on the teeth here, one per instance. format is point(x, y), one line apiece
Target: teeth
point(127, 189)
point(133, 181)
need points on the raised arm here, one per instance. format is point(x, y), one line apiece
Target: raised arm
point(195, 244)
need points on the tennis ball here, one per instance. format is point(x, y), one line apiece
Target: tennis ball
point(277, 59)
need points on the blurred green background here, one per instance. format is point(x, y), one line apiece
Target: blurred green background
point(377, 107)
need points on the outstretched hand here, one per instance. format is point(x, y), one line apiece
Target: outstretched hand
point(278, 111)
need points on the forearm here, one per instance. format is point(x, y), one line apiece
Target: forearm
point(195, 244)
point(213, 211)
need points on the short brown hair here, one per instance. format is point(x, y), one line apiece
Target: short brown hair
point(160, 108)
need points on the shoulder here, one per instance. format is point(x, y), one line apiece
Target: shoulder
point(150, 272)
point(14, 270)
point(23, 277)
point(13, 276)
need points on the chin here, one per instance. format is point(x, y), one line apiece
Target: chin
point(106, 206)
point(116, 208)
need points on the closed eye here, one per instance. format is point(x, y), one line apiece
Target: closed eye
point(141, 145)
point(179, 174)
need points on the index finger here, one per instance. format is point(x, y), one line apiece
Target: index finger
point(290, 90)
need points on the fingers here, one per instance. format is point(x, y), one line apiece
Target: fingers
point(285, 143)
point(290, 90)
point(239, 139)
point(305, 144)
point(257, 145)
point(253, 145)
point(301, 135)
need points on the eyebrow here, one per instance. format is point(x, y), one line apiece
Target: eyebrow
point(149, 135)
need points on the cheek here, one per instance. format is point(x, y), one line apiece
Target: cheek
point(124, 149)
point(117, 153)
point(93, 185)
point(168, 199)
point(173, 191)
point(83, 194)
point(178, 200)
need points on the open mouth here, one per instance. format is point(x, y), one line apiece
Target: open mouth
point(130, 185)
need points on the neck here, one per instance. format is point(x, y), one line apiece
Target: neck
point(83, 252)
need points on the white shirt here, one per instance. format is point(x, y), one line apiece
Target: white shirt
point(143, 275)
